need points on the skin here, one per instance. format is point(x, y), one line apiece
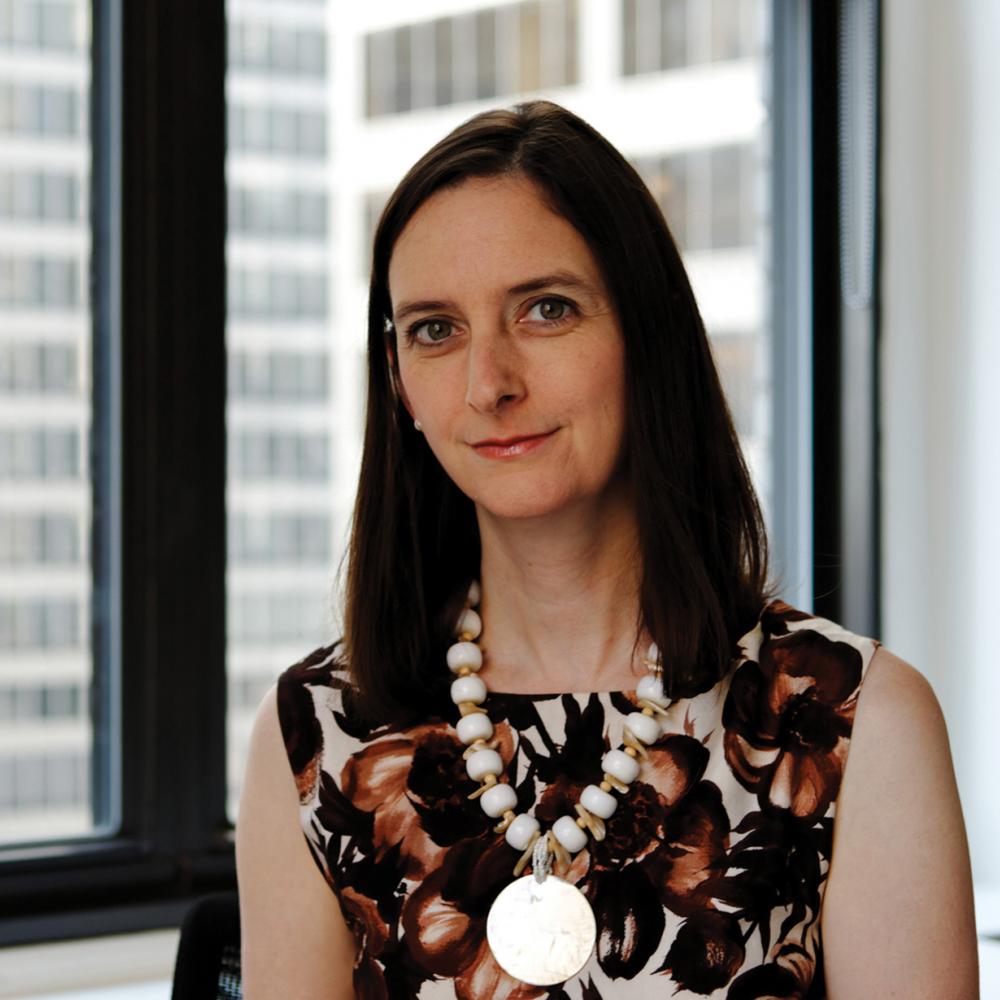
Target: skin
point(559, 579)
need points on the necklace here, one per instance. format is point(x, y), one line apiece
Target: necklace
point(541, 928)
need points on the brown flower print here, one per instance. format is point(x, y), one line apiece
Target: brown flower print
point(302, 733)
point(444, 922)
point(791, 976)
point(416, 785)
point(788, 721)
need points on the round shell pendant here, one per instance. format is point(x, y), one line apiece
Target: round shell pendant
point(541, 932)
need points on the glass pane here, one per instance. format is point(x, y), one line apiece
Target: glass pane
point(46, 735)
point(296, 384)
point(283, 415)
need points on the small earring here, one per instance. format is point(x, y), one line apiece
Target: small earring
point(419, 426)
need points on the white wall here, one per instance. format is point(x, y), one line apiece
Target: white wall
point(941, 378)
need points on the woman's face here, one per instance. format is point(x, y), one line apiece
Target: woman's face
point(505, 330)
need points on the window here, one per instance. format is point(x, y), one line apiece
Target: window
point(118, 499)
point(708, 196)
point(39, 110)
point(260, 295)
point(663, 35)
point(41, 24)
point(274, 49)
point(283, 481)
point(492, 52)
point(284, 131)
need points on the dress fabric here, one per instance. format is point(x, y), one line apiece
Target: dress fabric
point(710, 880)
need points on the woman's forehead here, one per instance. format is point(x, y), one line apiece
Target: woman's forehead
point(499, 231)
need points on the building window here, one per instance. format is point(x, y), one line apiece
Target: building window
point(480, 55)
point(39, 539)
point(660, 35)
point(280, 539)
point(291, 213)
point(39, 623)
point(267, 295)
point(279, 131)
point(40, 24)
point(40, 195)
point(278, 375)
point(280, 617)
point(39, 110)
point(272, 49)
point(40, 281)
point(707, 196)
point(272, 454)
point(48, 453)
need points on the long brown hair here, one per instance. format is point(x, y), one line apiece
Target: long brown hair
point(414, 544)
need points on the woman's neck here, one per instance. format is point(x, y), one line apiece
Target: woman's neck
point(560, 599)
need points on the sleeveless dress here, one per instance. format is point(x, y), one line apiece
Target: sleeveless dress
point(710, 880)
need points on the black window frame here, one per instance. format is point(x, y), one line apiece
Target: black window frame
point(158, 449)
point(158, 284)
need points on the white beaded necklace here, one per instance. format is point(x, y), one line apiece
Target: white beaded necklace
point(541, 929)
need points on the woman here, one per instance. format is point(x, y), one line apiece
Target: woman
point(553, 502)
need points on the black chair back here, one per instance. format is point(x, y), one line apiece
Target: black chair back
point(208, 955)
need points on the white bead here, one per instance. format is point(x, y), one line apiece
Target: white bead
point(620, 765)
point(650, 687)
point(469, 688)
point(643, 727)
point(653, 653)
point(475, 726)
point(569, 834)
point(470, 623)
point(520, 832)
point(472, 599)
point(498, 799)
point(483, 762)
point(598, 801)
point(464, 654)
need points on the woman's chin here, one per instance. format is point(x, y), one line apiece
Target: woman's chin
point(526, 506)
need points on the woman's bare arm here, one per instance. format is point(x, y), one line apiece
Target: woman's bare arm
point(295, 942)
point(898, 916)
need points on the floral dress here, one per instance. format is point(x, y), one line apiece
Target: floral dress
point(710, 880)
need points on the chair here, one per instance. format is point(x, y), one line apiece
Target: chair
point(208, 955)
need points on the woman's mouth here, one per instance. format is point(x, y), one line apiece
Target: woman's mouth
point(510, 447)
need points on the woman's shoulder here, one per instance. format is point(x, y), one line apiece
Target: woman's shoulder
point(789, 643)
point(325, 667)
point(310, 702)
point(778, 619)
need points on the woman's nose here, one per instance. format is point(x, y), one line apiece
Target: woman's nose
point(495, 376)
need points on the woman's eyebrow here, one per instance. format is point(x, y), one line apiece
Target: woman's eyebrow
point(564, 279)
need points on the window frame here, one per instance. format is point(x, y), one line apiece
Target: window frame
point(158, 608)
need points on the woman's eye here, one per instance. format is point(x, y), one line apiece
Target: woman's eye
point(552, 310)
point(436, 330)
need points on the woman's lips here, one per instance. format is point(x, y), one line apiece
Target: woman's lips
point(519, 446)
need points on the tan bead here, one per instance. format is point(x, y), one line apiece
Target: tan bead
point(526, 856)
point(488, 782)
point(647, 711)
point(613, 782)
point(560, 855)
point(605, 786)
point(631, 751)
point(581, 822)
point(508, 817)
point(593, 823)
point(464, 671)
